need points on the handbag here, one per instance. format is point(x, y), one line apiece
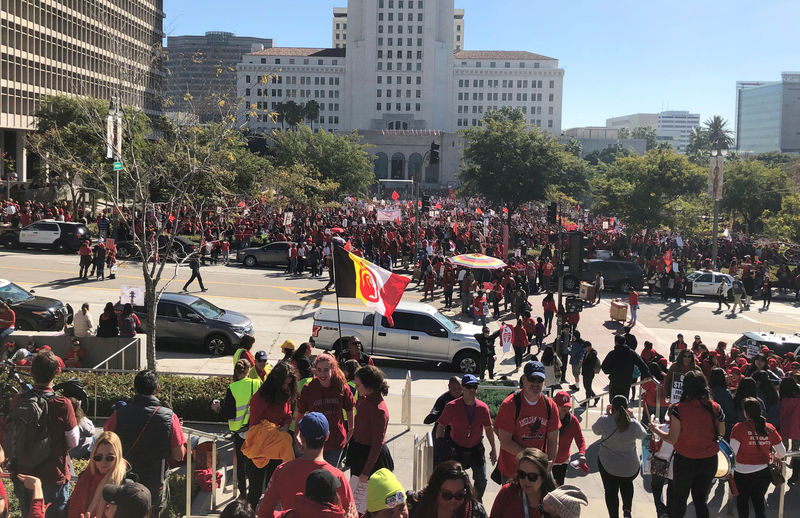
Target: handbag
point(597, 366)
point(775, 468)
point(659, 467)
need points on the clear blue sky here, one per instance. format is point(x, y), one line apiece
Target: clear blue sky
point(619, 56)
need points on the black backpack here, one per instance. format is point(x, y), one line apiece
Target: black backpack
point(27, 439)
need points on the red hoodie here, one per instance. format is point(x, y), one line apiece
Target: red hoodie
point(306, 508)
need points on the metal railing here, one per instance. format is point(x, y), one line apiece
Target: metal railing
point(405, 414)
point(190, 432)
point(600, 397)
point(780, 488)
point(122, 360)
point(423, 460)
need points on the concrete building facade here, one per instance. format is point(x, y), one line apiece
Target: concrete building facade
point(100, 49)
point(402, 70)
point(768, 115)
point(673, 126)
point(202, 69)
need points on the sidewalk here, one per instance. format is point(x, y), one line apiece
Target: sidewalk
point(400, 442)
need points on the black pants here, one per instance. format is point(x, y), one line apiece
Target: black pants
point(721, 299)
point(448, 296)
point(564, 364)
point(548, 320)
point(587, 384)
point(560, 473)
point(657, 485)
point(752, 488)
point(519, 352)
point(486, 362)
point(615, 486)
point(259, 479)
point(195, 275)
point(241, 465)
point(617, 387)
point(693, 476)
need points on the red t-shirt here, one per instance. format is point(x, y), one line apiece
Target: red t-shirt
point(466, 422)
point(370, 428)
point(547, 269)
point(279, 414)
point(633, 299)
point(650, 389)
point(55, 471)
point(330, 402)
point(572, 432)
point(696, 439)
point(529, 430)
point(754, 448)
point(289, 478)
point(508, 503)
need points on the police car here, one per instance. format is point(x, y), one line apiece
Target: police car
point(778, 343)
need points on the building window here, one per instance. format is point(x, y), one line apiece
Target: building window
point(379, 93)
point(379, 106)
point(550, 110)
point(550, 123)
point(536, 64)
point(477, 64)
point(492, 64)
point(419, 17)
point(380, 79)
point(246, 79)
point(550, 97)
point(247, 91)
point(417, 107)
point(380, 65)
point(380, 17)
point(264, 60)
point(552, 84)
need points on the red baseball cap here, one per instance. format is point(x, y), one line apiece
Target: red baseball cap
point(765, 350)
point(563, 398)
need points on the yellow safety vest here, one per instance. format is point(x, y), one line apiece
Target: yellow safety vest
point(242, 391)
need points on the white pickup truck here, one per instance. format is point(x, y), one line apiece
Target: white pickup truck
point(419, 333)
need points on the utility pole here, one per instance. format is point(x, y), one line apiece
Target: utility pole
point(560, 267)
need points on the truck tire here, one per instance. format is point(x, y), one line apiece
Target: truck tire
point(466, 362)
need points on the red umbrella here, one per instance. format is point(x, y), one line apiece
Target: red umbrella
point(337, 229)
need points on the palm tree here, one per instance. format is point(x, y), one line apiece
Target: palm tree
point(717, 133)
point(311, 111)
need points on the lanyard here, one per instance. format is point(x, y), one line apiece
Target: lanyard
point(470, 418)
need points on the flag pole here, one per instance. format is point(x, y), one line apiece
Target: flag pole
point(336, 290)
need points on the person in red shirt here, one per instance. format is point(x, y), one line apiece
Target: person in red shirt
point(569, 432)
point(329, 395)
point(479, 309)
point(430, 283)
point(696, 447)
point(312, 435)
point(751, 442)
point(549, 308)
point(519, 341)
point(74, 357)
point(272, 402)
point(468, 418)
point(527, 419)
point(633, 302)
point(531, 483)
point(8, 320)
point(367, 452)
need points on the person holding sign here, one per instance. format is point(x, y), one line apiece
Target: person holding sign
point(673, 384)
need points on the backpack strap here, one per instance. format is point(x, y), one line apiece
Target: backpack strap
point(142, 431)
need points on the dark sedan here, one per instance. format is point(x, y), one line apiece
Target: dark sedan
point(271, 254)
point(35, 313)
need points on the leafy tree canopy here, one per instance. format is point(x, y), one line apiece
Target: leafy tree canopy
point(508, 163)
point(751, 187)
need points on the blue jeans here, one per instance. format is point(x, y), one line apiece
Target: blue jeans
point(5, 332)
point(54, 495)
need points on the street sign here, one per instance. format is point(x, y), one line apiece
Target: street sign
point(117, 166)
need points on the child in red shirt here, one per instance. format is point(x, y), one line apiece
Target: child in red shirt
point(74, 357)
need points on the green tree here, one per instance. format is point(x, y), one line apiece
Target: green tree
point(785, 224)
point(311, 112)
point(571, 180)
point(296, 184)
point(718, 135)
point(609, 154)
point(751, 188)
point(774, 159)
point(698, 149)
point(507, 162)
point(648, 133)
point(341, 159)
point(624, 133)
point(645, 191)
point(573, 147)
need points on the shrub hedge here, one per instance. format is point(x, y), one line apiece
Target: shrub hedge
point(189, 397)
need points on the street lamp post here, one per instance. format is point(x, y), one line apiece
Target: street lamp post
point(715, 191)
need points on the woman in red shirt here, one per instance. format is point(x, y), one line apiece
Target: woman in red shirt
point(696, 447)
point(519, 341)
point(528, 489)
point(549, 308)
point(106, 466)
point(569, 432)
point(751, 442)
point(367, 452)
point(272, 402)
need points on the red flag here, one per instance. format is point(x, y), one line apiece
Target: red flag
point(668, 258)
point(395, 196)
point(241, 204)
point(419, 204)
point(398, 220)
point(455, 227)
point(478, 211)
point(505, 210)
point(438, 206)
point(171, 218)
point(469, 225)
point(348, 245)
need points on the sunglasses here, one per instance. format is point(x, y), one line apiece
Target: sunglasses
point(458, 495)
point(108, 458)
point(535, 379)
point(532, 477)
point(470, 387)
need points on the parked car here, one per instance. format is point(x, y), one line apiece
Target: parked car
point(271, 254)
point(181, 247)
point(420, 332)
point(35, 313)
point(706, 283)
point(617, 275)
point(778, 343)
point(185, 319)
point(47, 233)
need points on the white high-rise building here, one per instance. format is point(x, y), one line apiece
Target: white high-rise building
point(399, 66)
point(674, 127)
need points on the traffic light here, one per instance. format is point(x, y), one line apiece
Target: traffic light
point(552, 211)
point(578, 254)
point(434, 153)
point(426, 203)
